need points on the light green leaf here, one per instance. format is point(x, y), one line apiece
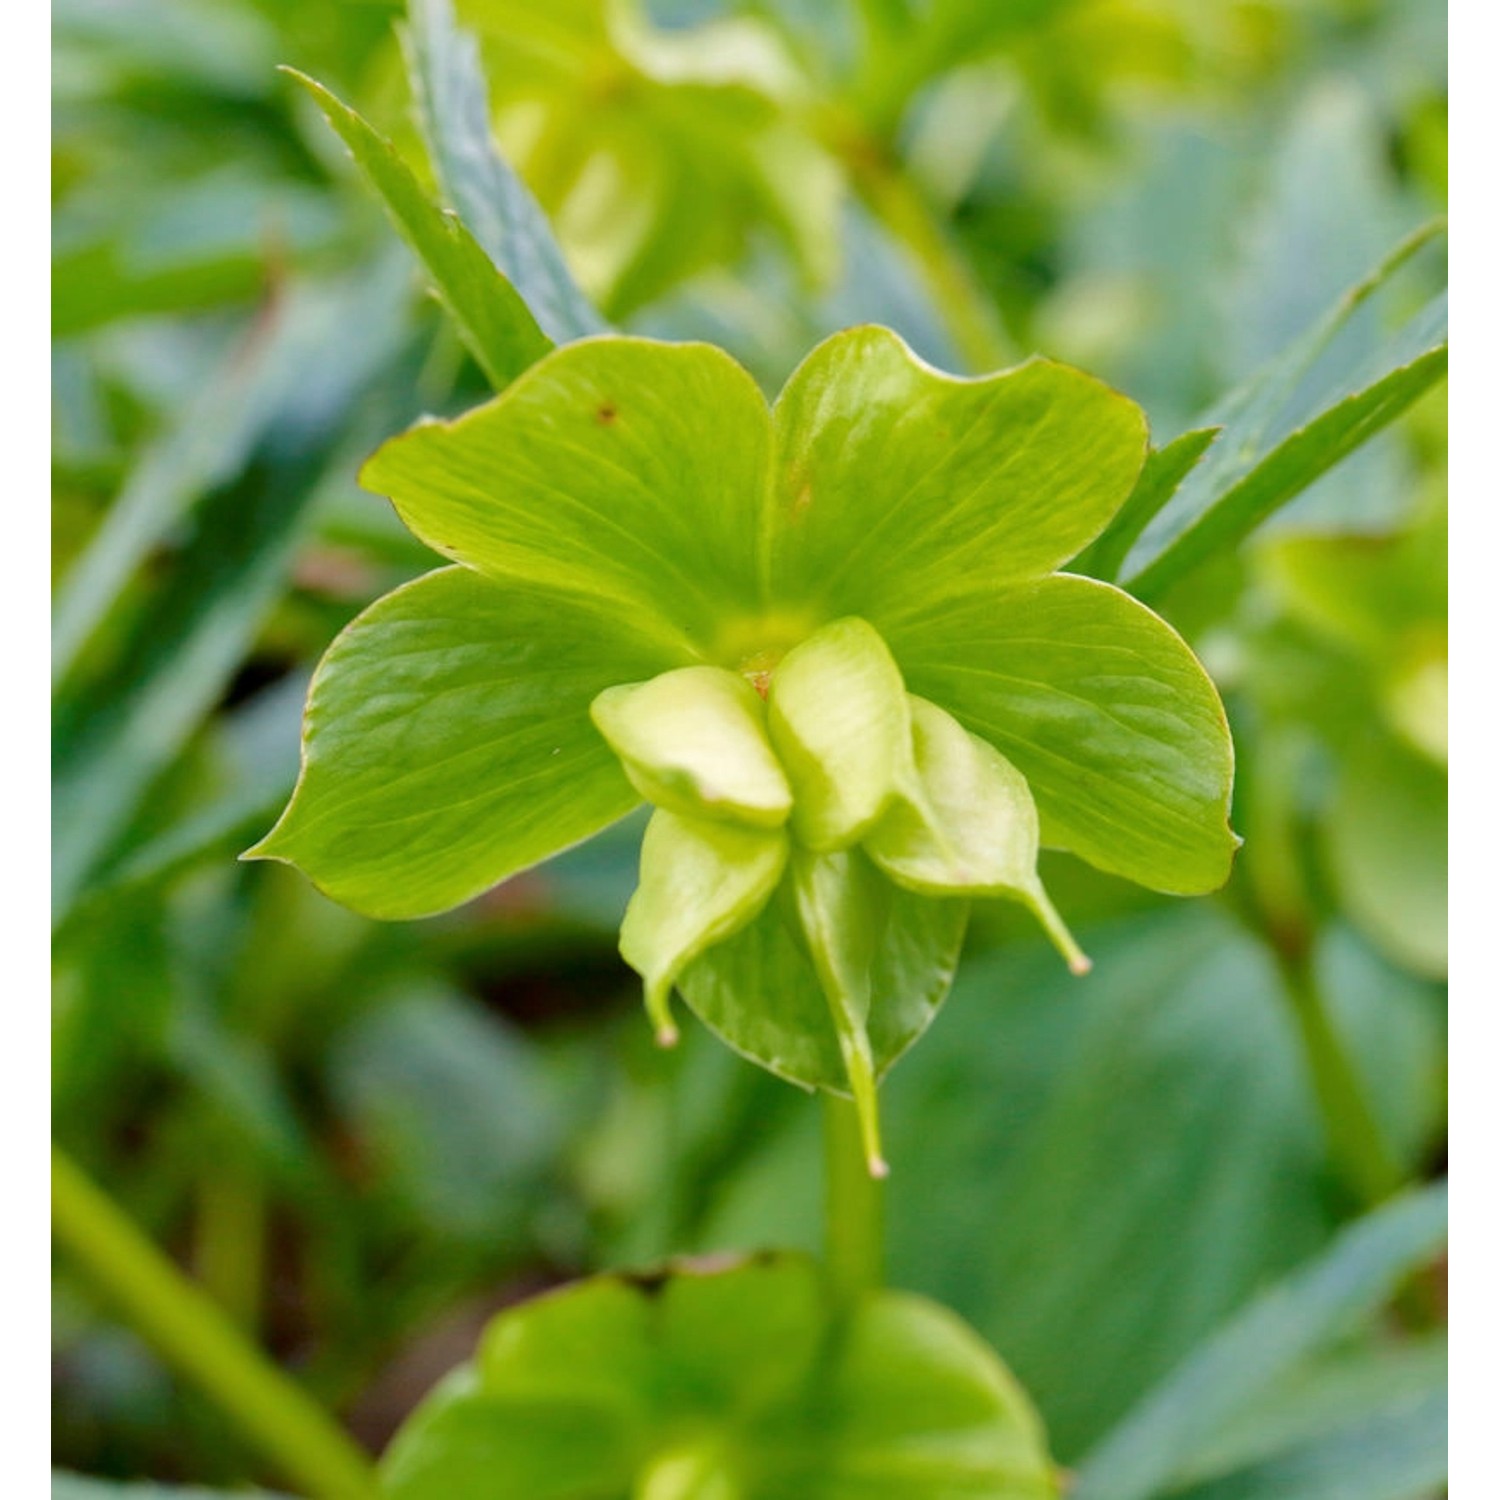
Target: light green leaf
point(1282, 430)
point(967, 825)
point(622, 469)
point(727, 1383)
point(760, 992)
point(839, 721)
point(899, 484)
point(1268, 1340)
point(700, 883)
point(694, 741)
point(453, 111)
point(491, 316)
point(447, 744)
point(1102, 707)
point(1386, 837)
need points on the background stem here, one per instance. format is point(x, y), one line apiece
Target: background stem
point(194, 1336)
point(854, 1208)
point(1356, 1143)
point(967, 311)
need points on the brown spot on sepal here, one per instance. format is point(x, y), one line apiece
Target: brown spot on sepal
point(607, 412)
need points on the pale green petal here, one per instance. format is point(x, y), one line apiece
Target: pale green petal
point(840, 725)
point(700, 883)
point(694, 741)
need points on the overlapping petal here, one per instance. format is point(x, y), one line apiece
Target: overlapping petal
point(624, 470)
point(1101, 705)
point(897, 484)
point(447, 744)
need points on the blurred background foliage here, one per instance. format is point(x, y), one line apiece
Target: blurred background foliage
point(365, 1139)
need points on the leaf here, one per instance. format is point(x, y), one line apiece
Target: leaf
point(450, 1112)
point(1398, 1452)
point(1114, 1166)
point(206, 446)
point(1369, 1421)
point(447, 744)
point(760, 992)
point(1164, 471)
point(86, 1487)
point(1386, 839)
point(837, 713)
point(118, 730)
point(1350, 1281)
point(725, 1382)
point(494, 321)
point(694, 742)
point(701, 882)
point(1282, 430)
point(625, 470)
point(968, 826)
point(900, 485)
point(453, 111)
point(1101, 706)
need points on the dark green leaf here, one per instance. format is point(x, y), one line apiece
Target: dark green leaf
point(453, 110)
point(1278, 1332)
point(490, 313)
point(1163, 473)
point(1282, 431)
point(118, 730)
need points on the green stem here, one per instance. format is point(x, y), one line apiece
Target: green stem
point(191, 1333)
point(1356, 1143)
point(966, 310)
point(853, 1205)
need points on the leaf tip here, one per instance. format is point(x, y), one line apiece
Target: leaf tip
point(667, 1036)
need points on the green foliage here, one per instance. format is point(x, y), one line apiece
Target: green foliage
point(495, 322)
point(827, 638)
point(730, 1381)
point(1283, 1328)
point(649, 490)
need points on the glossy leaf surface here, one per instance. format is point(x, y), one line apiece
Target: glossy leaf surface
point(723, 1383)
point(447, 744)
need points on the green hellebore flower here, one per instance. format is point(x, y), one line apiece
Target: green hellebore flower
point(827, 639)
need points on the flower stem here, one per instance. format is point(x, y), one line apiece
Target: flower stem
point(194, 1336)
point(967, 312)
point(1356, 1142)
point(854, 1222)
